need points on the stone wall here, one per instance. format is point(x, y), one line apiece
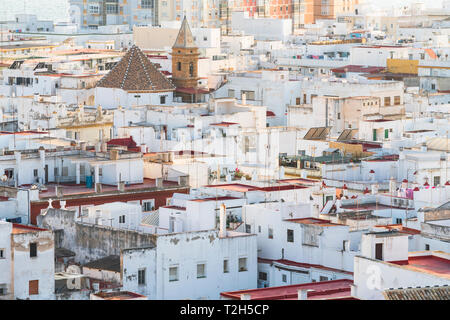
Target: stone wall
point(90, 241)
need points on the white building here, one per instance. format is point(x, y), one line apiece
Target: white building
point(192, 265)
point(385, 264)
point(27, 269)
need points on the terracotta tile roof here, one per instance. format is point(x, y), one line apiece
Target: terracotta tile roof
point(124, 142)
point(135, 72)
point(427, 293)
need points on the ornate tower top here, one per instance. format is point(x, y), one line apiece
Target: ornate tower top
point(184, 38)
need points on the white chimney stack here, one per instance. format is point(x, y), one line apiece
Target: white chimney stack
point(223, 221)
point(245, 296)
point(302, 294)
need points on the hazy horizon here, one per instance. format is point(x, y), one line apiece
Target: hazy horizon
point(57, 10)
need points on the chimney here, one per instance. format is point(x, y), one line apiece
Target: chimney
point(374, 189)
point(392, 185)
point(244, 98)
point(121, 186)
point(424, 147)
point(98, 147)
point(246, 296)
point(104, 147)
point(223, 221)
point(62, 204)
point(353, 290)
point(83, 146)
point(50, 204)
point(302, 294)
point(159, 183)
point(114, 154)
point(98, 188)
point(59, 191)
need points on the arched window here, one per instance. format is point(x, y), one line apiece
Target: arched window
point(179, 66)
point(191, 69)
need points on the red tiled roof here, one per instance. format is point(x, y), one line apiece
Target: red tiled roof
point(20, 228)
point(124, 142)
point(334, 289)
point(428, 264)
point(357, 68)
point(270, 114)
point(192, 90)
point(315, 221)
point(216, 199)
point(135, 72)
point(224, 124)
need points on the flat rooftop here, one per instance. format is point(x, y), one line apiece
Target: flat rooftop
point(315, 221)
point(119, 295)
point(427, 263)
point(328, 290)
point(245, 188)
point(81, 189)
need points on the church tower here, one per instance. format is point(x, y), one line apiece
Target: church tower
point(185, 58)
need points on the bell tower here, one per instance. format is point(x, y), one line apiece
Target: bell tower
point(185, 58)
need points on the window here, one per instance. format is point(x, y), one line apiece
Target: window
point(33, 249)
point(94, 9)
point(55, 172)
point(284, 278)
point(297, 101)
point(242, 264)
point(112, 8)
point(262, 276)
point(230, 93)
point(249, 95)
point(225, 266)
point(322, 278)
point(2, 253)
point(427, 247)
point(339, 115)
point(396, 100)
point(433, 86)
point(9, 173)
point(344, 245)
point(33, 287)
point(162, 99)
point(147, 4)
point(191, 69)
point(290, 235)
point(248, 228)
point(148, 205)
point(122, 219)
point(270, 233)
point(398, 221)
point(141, 276)
point(179, 66)
point(173, 274)
point(436, 181)
point(387, 101)
point(35, 172)
point(379, 251)
point(3, 289)
point(201, 270)
point(259, 229)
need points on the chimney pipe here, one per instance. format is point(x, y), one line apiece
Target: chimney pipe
point(223, 221)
